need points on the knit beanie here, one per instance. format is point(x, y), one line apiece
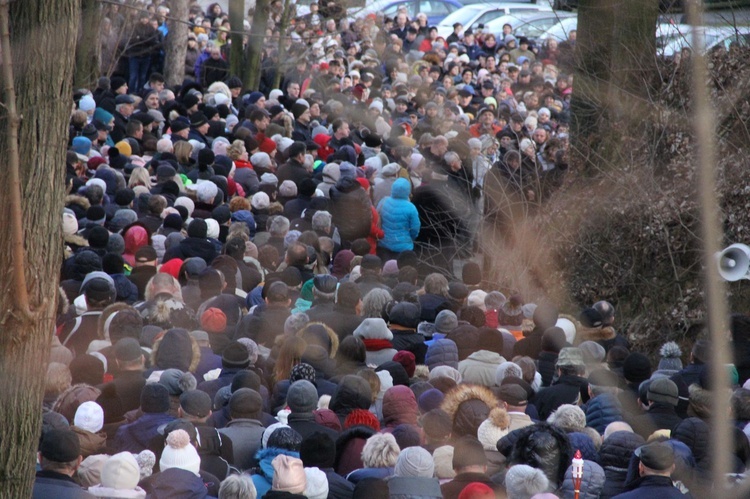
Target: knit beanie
point(569, 417)
point(121, 472)
point(636, 368)
point(362, 417)
point(288, 474)
point(414, 462)
point(492, 429)
point(302, 371)
point(445, 322)
point(670, 357)
point(90, 417)
point(146, 461)
point(317, 484)
point(429, 400)
point(443, 458)
point(478, 490)
point(213, 320)
point(154, 398)
point(522, 480)
point(269, 431)
point(318, 449)
point(446, 372)
point(235, 355)
point(245, 403)
point(408, 360)
point(180, 453)
point(302, 396)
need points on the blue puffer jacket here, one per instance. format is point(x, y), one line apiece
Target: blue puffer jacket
point(398, 218)
point(442, 353)
point(592, 481)
point(602, 410)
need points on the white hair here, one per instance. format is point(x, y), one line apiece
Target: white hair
point(380, 451)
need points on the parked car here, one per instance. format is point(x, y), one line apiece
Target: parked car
point(436, 10)
point(472, 15)
point(529, 24)
point(672, 38)
point(561, 31)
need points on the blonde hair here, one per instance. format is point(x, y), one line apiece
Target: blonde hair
point(236, 149)
point(139, 176)
point(380, 451)
point(163, 283)
point(183, 149)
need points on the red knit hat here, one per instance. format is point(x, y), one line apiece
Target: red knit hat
point(361, 417)
point(476, 490)
point(267, 146)
point(214, 320)
point(172, 267)
point(363, 182)
point(408, 360)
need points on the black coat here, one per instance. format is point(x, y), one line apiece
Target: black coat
point(351, 209)
point(567, 390)
point(293, 170)
point(342, 320)
point(614, 457)
point(263, 325)
point(660, 416)
point(190, 247)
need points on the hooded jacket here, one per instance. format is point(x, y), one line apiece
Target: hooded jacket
point(468, 406)
point(614, 457)
point(399, 407)
point(352, 393)
point(142, 434)
point(409, 487)
point(398, 219)
point(351, 209)
point(349, 447)
point(175, 482)
point(442, 352)
point(602, 410)
point(479, 368)
point(190, 247)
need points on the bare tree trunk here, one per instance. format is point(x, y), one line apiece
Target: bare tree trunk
point(176, 43)
point(282, 67)
point(252, 73)
point(43, 39)
point(88, 49)
point(236, 21)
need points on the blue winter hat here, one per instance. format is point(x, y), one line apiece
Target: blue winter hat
point(347, 170)
point(82, 145)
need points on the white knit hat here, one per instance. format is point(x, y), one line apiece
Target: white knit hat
point(317, 484)
point(187, 203)
point(180, 453)
point(212, 227)
point(121, 472)
point(492, 429)
point(89, 416)
point(414, 462)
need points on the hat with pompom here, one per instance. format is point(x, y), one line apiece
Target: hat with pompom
point(492, 429)
point(288, 474)
point(180, 453)
point(670, 357)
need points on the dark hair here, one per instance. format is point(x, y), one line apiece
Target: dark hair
point(408, 274)
point(352, 349)
point(348, 295)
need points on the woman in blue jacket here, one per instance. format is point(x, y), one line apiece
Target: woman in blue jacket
point(399, 220)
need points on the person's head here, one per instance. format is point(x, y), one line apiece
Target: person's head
point(60, 451)
point(245, 403)
point(237, 487)
point(340, 128)
point(380, 451)
point(656, 459)
point(469, 456)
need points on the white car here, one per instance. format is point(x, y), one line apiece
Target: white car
point(529, 24)
point(482, 13)
point(672, 38)
point(561, 31)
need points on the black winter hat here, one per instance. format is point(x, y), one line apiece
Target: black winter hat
point(198, 119)
point(98, 237)
point(245, 379)
point(173, 221)
point(206, 157)
point(154, 398)
point(636, 368)
point(235, 356)
point(196, 403)
point(325, 283)
point(471, 274)
point(405, 314)
point(96, 214)
point(60, 446)
point(397, 372)
point(221, 214)
point(285, 438)
point(124, 196)
point(318, 450)
point(198, 228)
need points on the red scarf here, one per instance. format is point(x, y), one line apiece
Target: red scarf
point(375, 345)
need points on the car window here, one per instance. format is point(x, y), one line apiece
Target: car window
point(536, 28)
point(489, 16)
point(434, 7)
point(462, 16)
point(392, 9)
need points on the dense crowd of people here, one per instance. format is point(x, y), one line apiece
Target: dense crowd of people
point(274, 293)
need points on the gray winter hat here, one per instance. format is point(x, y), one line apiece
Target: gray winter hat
point(445, 322)
point(302, 396)
point(414, 462)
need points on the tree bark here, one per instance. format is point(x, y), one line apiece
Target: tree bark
point(283, 63)
point(176, 43)
point(236, 21)
point(88, 49)
point(43, 38)
point(251, 74)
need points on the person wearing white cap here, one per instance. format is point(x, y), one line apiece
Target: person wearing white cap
point(119, 478)
point(413, 475)
point(87, 425)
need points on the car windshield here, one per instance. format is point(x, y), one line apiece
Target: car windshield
point(463, 15)
point(535, 28)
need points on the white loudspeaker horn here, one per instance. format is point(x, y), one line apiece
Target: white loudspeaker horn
point(734, 262)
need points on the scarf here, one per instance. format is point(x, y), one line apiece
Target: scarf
point(375, 345)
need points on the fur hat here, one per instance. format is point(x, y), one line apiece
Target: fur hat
point(180, 453)
point(495, 427)
point(288, 474)
point(569, 417)
point(414, 462)
point(522, 480)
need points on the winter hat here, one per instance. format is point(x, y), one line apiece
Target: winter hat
point(495, 427)
point(414, 462)
point(569, 417)
point(507, 369)
point(636, 368)
point(446, 372)
point(302, 371)
point(121, 472)
point(429, 400)
point(318, 449)
point(154, 398)
point(70, 222)
point(180, 453)
point(523, 481)
point(404, 314)
point(663, 390)
point(260, 201)
point(443, 459)
point(89, 473)
point(245, 403)
point(478, 490)
point(90, 417)
point(374, 328)
point(235, 355)
point(593, 352)
point(212, 228)
point(445, 322)
point(317, 484)
point(213, 320)
point(570, 356)
point(177, 381)
point(362, 417)
point(269, 431)
point(196, 403)
point(476, 299)
point(670, 357)
point(568, 328)
point(407, 360)
point(397, 372)
point(288, 474)
point(116, 244)
point(146, 461)
point(302, 396)
point(288, 189)
point(269, 179)
point(390, 267)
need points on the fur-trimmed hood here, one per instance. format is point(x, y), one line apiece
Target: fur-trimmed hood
point(596, 333)
point(468, 406)
point(177, 357)
point(75, 199)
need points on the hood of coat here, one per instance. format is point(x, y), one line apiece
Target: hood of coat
point(265, 458)
point(352, 393)
point(468, 406)
point(399, 406)
point(400, 189)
